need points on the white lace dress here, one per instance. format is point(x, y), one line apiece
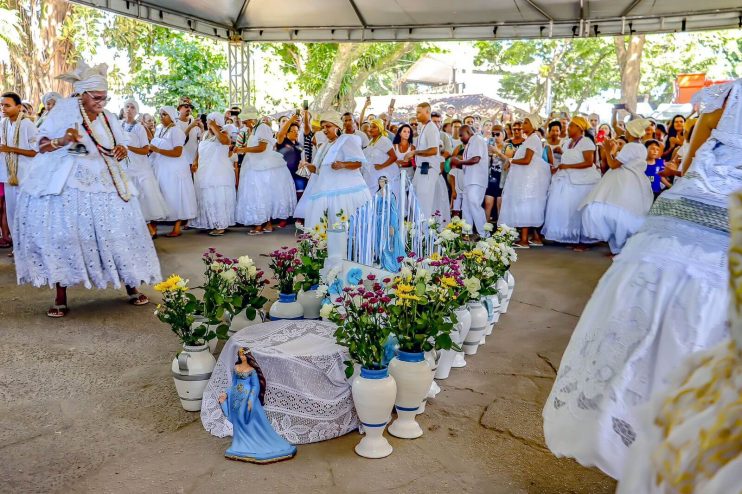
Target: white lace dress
point(215, 186)
point(307, 399)
point(174, 175)
point(139, 171)
point(524, 195)
point(664, 298)
point(73, 228)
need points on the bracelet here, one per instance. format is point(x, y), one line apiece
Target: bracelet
point(55, 144)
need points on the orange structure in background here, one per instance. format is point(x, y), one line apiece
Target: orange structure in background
point(686, 85)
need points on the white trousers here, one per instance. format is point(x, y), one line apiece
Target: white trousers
point(11, 198)
point(473, 210)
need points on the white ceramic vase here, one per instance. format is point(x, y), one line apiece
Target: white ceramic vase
point(492, 304)
point(432, 360)
point(192, 370)
point(510, 280)
point(240, 321)
point(310, 302)
point(413, 376)
point(286, 307)
point(374, 392)
point(477, 329)
point(463, 316)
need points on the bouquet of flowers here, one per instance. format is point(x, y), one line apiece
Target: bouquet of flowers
point(220, 274)
point(505, 235)
point(361, 315)
point(424, 296)
point(284, 264)
point(178, 308)
point(245, 291)
point(453, 237)
point(312, 253)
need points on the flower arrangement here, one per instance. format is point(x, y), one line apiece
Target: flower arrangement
point(424, 294)
point(284, 264)
point(220, 274)
point(178, 308)
point(453, 237)
point(360, 312)
point(312, 253)
point(245, 291)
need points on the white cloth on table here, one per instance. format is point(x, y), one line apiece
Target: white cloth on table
point(568, 189)
point(215, 186)
point(526, 188)
point(174, 175)
point(139, 171)
point(308, 398)
point(376, 153)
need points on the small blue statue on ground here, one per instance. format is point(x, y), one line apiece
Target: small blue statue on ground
point(254, 440)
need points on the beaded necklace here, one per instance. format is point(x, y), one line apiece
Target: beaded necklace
point(11, 159)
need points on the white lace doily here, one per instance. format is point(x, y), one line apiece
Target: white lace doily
point(307, 399)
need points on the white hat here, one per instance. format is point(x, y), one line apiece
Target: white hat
point(50, 96)
point(133, 102)
point(637, 128)
point(85, 78)
point(171, 112)
point(216, 117)
point(332, 117)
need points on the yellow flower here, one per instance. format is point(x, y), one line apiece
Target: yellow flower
point(344, 218)
point(317, 228)
point(403, 288)
point(449, 281)
point(174, 282)
point(323, 236)
point(435, 256)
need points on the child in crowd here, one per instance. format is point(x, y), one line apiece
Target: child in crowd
point(655, 167)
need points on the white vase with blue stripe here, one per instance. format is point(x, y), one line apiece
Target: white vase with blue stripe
point(414, 377)
point(286, 307)
point(374, 392)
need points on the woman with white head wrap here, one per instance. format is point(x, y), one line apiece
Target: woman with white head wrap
point(664, 298)
point(524, 195)
point(139, 169)
point(79, 220)
point(48, 100)
point(172, 169)
point(381, 160)
point(266, 190)
point(615, 208)
point(214, 178)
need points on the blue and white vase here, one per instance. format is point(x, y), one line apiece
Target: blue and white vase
point(492, 304)
point(286, 307)
point(413, 376)
point(463, 316)
point(374, 392)
point(310, 303)
point(478, 327)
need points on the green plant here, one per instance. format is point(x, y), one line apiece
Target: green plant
point(178, 309)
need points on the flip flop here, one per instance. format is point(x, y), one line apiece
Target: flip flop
point(535, 244)
point(255, 232)
point(56, 311)
point(138, 299)
point(173, 235)
point(520, 246)
point(214, 233)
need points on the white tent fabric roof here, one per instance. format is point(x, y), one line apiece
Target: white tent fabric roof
point(426, 20)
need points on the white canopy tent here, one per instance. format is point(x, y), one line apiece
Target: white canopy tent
point(426, 20)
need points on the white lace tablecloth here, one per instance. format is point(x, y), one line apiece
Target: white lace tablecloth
point(307, 399)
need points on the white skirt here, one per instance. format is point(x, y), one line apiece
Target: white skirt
point(176, 185)
point(151, 201)
point(650, 310)
point(563, 221)
point(524, 195)
point(264, 195)
point(216, 207)
point(85, 238)
point(608, 223)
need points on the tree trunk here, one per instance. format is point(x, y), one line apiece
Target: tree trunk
point(629, 54)
point(343, 59)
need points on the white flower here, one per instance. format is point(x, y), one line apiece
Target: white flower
point(488, 227)
point(244, 262)
point(422, 274)
point(488, 273)
point(333, 274)
point(405, 273)
point(322, 291)
point(447, 235)
point(472, 285)
point(325, 311)
point(466, 227)
point(252, 271)
point(181, 284)
point(228, 275)
point(216, 266)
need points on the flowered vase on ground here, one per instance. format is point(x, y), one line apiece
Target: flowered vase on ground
point(492, 304)
point(192, 370)
point(310, 302)
point(374, 392)
point(413, 376)
point(286, 307)
point(477, 329)
point(463, 316)
point(240, 321)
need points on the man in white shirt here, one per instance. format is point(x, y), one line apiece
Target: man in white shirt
point(18, 136)
point(349, 127)
point(192, 127)
point(446, 144)
point(475, 163)
point(428, 159)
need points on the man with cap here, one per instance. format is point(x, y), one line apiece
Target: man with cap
point(191, 127)
point(79, 220)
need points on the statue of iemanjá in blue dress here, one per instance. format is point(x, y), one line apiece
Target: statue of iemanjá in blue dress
point(390, 244)
point(253, 438)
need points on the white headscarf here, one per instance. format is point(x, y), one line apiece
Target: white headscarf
point(536, 121)
point(637, 128)
point(171, 111)
point(50, 96)
point(216, 117)
point(132, 101)
point(85, 78)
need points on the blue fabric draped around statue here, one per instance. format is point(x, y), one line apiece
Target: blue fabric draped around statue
point(391, 244)
point(254, 439)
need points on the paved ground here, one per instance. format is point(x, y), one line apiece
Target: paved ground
point(87, 403)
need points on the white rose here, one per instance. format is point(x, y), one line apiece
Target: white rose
point(472, 285)
point(228, 275)
point(488, 227)
point(325, 311)
point(405, 273)
point(216, 266)
point(244, 262)
point(252, 271)
point(322, 291)
point(431, 222)
point(422, 274)
point(488, 273)
point(447, 235)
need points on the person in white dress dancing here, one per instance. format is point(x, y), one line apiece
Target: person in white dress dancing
point(575, 177)
point(266, 189)
point(664, 298)
point(78, 221)
point(381, 160)
point(139, 169)
point(173, 170)
point(615, 208)
point(336, 184)
point(527, 185)
point(214, 179)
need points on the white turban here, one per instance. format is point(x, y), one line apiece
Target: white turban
point(85, 78)
point(171, 111)
point(133, 102)
point(216, 117)
point(637, 128)
point(535, 120)
point(50, 96)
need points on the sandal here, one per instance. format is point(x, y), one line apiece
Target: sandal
point(57, 310)
point(255, 232)
point(173, 235)
point(138, 299)
point(216, 233)
point(533, 243)
point(521, 246)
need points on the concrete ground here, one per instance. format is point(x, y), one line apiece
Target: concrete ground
point(88, 404)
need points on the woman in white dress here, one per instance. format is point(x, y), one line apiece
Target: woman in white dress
point(616, 208)
point(79, 221)
point(524, 195)
point(214, 179)
point(664, 298)
point(266, 189)
point(575, 177)
point(336, 184)
point(404, 150)
point(381, 160)
point(139, 169)
point(173, 171)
